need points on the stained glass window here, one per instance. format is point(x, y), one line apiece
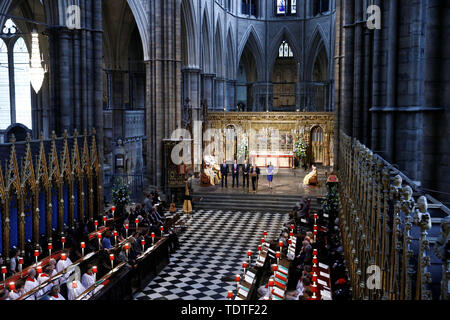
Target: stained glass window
point(293, 6)
point(281, 6)
point(285, 50)
point(5, 107)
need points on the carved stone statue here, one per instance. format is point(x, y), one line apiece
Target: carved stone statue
point(423, 217)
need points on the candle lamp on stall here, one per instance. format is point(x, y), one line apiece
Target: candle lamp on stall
point(271, 284)
point(137, 223)
point(249, 254)
point(230, 295)
point(113, 208)
point(278, 255)
point(259, 251)
point(238, 280)
point(82, 246)
point(74, 286)
point(153, 238)
point(143, 245)
point(96, 224)
point(314, 280)
point(115, 237)
point(63, 241)
point(20, 263)
point(4, 270)
point(111, 257)
point(280, 244)
point(36, 255)
point(50, 247)
point(161, 229)
point(99, 237)
point(126, 230)
point(314, 261)
point(244, 266)
point(38, 270)
point(127, 247)
point(12, 286)
point(274, 269)
point(104, 220)
point(265, 235)
point(94, 271)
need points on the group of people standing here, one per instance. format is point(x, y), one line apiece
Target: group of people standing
point(247, 172)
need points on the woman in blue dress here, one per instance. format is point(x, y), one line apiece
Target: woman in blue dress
point(269, 171)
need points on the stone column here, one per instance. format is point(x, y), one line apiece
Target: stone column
point(208, 89)
point(219, 99)
point(231, 95)
point(66, 120)
point(262, 96)
point(163, 69)
point(118, 110)
point(349, 42)
point(98, 76)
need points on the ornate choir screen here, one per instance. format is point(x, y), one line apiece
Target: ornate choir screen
point(47, 186)
point(388, 230)
point(269, 136)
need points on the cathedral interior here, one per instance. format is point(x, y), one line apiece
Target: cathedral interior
point(121, 120)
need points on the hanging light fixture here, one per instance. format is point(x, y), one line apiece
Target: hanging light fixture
point(37, 72)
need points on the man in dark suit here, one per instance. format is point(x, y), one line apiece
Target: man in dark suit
point(224, 171)
point(235, 172)
point(245, 173)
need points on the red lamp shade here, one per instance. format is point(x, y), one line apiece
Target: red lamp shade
point(230, 294)
point(99, 235)
point(278, 254)
point(126, 226)
point(280, 243)
point(20, 260)
point(315, 227)
point(291, 234)
point(265, 233)
point(63, 239)
point(50, 246)
point(113, 208)
point(249, 253)
point(83, 245)
point(161, 228)
point(95, 223)
point(315, 252)
point(262, 240)
point(105, 218)
point(238, 278)
point(39, 269)
point(136, 221)
point(74, 284)
point(63, 256)
point(111, 257)
point(274, 267)
point(4, 269)
point(315, 232)
point(292, 227)
point(290, 241)
point(271, 282)
point(94, 269)
point(127, 246)
point(314, 277)
point(12, 286)
point(259, 247)
point(153, 234)
point(36, 253)
point(244, 264)
point(115, 233)
point(314, 260)
point(316, 215)
point(143, 242)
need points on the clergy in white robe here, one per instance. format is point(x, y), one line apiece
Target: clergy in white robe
point(31, 283)
point(54, 293)
point(73, 293)
point(43, 277)
point(62, 264)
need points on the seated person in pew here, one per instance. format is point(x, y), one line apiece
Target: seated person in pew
point(122, 257)
point(123, 231)
point(43, 277)
point(14, 263)
point(88, 280)
point(301, 287)
point(106, 240)
point(54, 293)
point(31, 282)
point(63, 263)
point(4, 294)
point(17, 292)
point(73, 293)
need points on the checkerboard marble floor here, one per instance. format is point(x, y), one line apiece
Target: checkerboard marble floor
point(213, 246)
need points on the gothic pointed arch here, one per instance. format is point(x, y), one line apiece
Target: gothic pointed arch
point(189, 34)
point(218, 51)
point(206, 43)
point(230, 56)
point(317, 45)
point(283, 35)
point(252, 43)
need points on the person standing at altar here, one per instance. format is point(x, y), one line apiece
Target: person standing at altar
point(245, 173)
point(224, 171)
point(254, 172)
point(235, 172)
point(269, 171)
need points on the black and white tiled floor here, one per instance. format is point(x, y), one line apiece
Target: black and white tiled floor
point(213, 246)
